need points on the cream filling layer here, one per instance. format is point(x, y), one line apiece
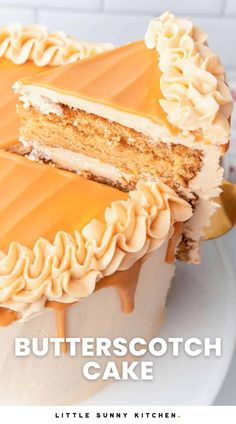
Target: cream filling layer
point(76, 162)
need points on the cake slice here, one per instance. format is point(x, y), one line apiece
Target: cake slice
point(148, 110)
point(26, 50)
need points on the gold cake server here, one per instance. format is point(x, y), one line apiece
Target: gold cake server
point(225, 216)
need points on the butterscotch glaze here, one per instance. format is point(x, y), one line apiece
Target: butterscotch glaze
point(7, 316)
point(125, 282)
point(60, 310)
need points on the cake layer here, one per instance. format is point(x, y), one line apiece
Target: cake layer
point(106, 150)
point(38, 200)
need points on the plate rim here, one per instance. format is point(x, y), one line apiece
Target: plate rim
point(231, 279)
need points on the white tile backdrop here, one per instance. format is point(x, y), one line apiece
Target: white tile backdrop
point(120, 21)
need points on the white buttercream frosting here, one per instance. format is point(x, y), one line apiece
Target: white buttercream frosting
point(196, 96)
point(69, 268)
point(33, 42)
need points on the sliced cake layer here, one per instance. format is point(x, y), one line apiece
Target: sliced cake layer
point(120, 142)
point(137, 112)
point(105, 150)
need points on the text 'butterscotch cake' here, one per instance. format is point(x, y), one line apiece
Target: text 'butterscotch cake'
point(148, 110)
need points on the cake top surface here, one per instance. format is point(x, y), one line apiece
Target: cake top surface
point(48, 198)
point(172, 78)
point(27, 50)
point(61, 233)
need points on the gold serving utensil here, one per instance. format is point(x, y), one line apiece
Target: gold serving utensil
point(225, 216)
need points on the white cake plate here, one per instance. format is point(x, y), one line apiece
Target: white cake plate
point(201, 303)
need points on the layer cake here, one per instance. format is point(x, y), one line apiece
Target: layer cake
point(98, 259)
point(148, 110)
point(137, 132)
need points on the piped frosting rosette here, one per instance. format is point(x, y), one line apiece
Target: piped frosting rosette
point(33, 42)
point(196, 96)
point(69, 268)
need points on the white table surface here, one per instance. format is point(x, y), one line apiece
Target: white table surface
point(227, 393)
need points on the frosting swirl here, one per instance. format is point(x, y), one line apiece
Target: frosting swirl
point(33, 42)
point(196, 96)
point(69, 268)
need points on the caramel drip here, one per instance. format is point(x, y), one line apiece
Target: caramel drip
point(125, 282)
point(60, 311)
point(7, 316)
point(224, 148)
point(173, 242)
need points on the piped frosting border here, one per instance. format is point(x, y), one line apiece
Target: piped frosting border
point(69, 268)
point(33, 42)
point(196, 96)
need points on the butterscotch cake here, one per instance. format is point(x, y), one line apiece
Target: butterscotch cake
point(115, 174)
point(78, 259)
point(148, 110)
